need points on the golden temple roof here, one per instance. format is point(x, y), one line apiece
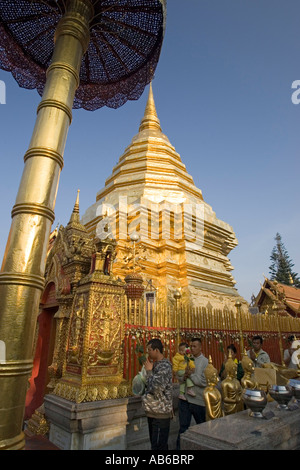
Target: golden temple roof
point(151, 176)
point(151, 161)
point(150, 119)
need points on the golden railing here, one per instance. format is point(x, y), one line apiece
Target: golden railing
point(217, 329)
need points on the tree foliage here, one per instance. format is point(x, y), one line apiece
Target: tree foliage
point(281, 268)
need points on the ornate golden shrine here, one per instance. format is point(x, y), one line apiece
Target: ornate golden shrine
point(151, 193)
point(87, 361)
point(94, 360)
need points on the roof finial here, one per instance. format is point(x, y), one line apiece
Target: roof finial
point(76, 205)
point(75, 213)
point(150, 119)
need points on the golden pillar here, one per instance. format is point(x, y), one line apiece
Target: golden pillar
point(275, 310)
point(177, 297)
point(22, 273)
point(239, 317)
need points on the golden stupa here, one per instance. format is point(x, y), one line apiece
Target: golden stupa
point(185, 246)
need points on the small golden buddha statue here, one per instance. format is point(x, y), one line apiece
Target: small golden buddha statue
point(231, 388)
point(247, 380)
point(212, 396)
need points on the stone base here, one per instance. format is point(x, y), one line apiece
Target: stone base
point(87, 426)
point(118, 424)
point(241, 432)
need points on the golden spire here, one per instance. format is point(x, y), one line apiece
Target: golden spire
point(75, 214)
point(150, 119)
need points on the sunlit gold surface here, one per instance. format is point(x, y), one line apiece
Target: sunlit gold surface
point(94, 355)
point(21, 278)
point(231, 388)
point(275, 309)
point(73, 257)
point(238, 305)
point(248, 380)
point(69, 260)
point(38, 424)
point(150, 175)
point(212, 396)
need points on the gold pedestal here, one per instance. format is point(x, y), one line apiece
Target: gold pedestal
point(94, 358)
point(38, 424)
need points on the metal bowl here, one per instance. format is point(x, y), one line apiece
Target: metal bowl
point(295, 385)
point(256, 401)
point(282, 394)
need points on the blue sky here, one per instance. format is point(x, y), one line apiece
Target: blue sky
point(223, 95)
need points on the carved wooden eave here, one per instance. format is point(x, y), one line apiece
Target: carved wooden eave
point(271, 292)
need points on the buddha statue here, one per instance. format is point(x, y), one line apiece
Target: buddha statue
point(212, 396)
point(231, 388)
point(247, 380)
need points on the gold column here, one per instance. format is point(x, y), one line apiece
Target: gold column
point(22, 273)
point(275, 310)
point(177, 296)
point(239, 316)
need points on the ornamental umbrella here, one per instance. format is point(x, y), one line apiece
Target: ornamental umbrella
point(123, 51)
point(76, 53)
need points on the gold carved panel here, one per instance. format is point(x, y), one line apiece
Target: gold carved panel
point(105, 335)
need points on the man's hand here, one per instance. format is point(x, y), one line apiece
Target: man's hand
point(148, 365)
point(188, 372)
point(252, 355)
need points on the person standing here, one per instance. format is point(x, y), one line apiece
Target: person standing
point(240, 371)
point(180, 362)
point(193, 406)
point(257, 354)
point(157, 401)
point(287, 353)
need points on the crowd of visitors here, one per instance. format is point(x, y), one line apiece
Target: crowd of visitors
point(187, 368)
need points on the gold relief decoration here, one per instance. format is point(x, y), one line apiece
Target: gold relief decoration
point(105, 334)
point(38, 424)
point(105, 256)
point(75, 346)
point(62, 281)
point(103, 392)
point(62, 319)
point(55, 273)
point(70, 254)
point(94, 365)
point(89, 393)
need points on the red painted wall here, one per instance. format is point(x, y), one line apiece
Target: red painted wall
point(43, 358)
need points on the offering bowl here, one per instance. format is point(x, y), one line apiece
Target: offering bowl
point(282, 394)
point(256, 401)
point(295, 385)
